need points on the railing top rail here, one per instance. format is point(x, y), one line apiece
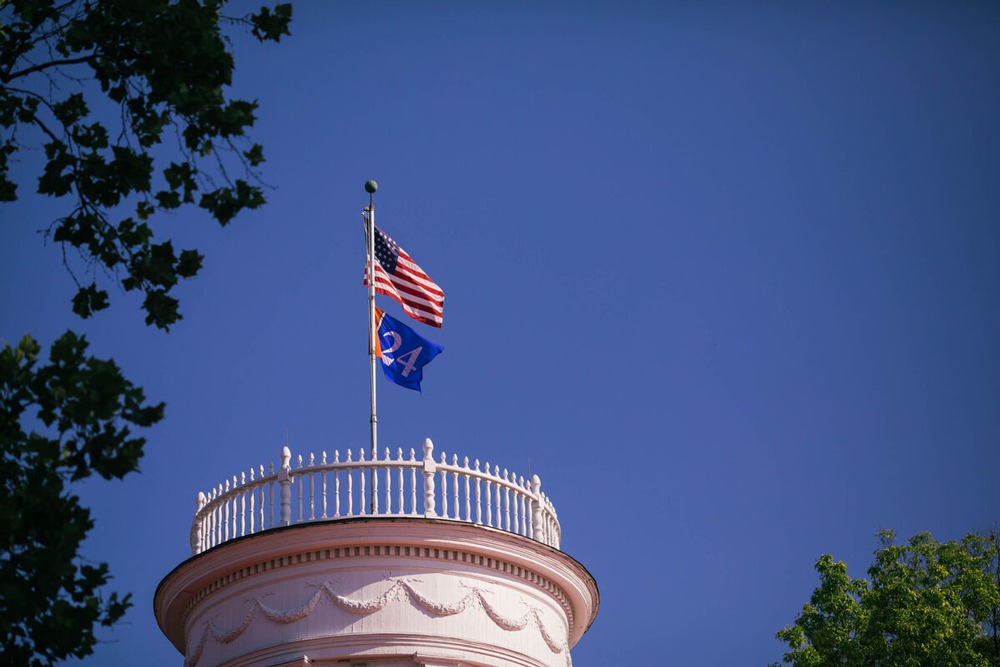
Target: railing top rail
point(336, 488)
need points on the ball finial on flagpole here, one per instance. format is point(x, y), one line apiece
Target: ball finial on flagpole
point(371, 186)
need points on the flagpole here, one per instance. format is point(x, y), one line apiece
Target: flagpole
point(370, 188)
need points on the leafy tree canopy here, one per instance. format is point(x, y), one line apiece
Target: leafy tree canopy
point(83, 410)
point(162, 66)
point(126, 101)
point(926, 604)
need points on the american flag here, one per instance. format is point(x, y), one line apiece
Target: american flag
point(398, 276)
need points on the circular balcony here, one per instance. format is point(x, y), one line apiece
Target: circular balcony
point(384, 562)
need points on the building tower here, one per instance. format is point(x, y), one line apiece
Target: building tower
point(384, 562)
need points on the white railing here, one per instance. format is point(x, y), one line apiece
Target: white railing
point(329, 490)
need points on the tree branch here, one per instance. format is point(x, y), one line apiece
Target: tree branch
point(54, 63)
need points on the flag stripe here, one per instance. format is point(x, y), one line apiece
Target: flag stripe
point(420, 316)
point(406, 282)
point(410, 269)
point(411, 290)
point(419, 304)
point(408, 285)
point(420, 309)
point(415, 293)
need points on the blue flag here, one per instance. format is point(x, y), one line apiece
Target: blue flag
point(403, 351)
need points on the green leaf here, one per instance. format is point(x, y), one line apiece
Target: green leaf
point(167, 199)
point(272, 25)
point(70, 110)
point(189, 263)
point(255, 155)
point(56, 179)
point(161, 310)
point(927, 603)
point(133, 170)
point(89, 300)
point(225, 203)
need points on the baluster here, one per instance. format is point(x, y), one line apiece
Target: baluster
point(224, 515)
point(374, 477)
point(429, 470)
point(516, 501)
point(506, 501)
point(206, 534)
point(512, 496)
point(220, 519)
point(225, 531)
point(234, 500)
point(220, 524)
point(218, 515)
point(413, 483)
point(454, 482)
point(312, 492)
point(243, 503)
point(468, 507)
point(550, 521)
point(285, 480)
point(298, 473)
point(223, 512)
point(522, 499)
point(260, 495)
point(323, 462)
point(525, 507)
point(444, 488)
point(270, 494)
point(201, 501)
point(361, 482)
point(269, 501)
point(230, 509)
point(210, 519)
point(524, 511)
point(499, 501)
point(479, 496)
point(336, 483)
point(350, 486)
point(198, 529)
point(537, 531)
point(489, 504)
point(253, 506)
point(399, 459)
point(388, 483)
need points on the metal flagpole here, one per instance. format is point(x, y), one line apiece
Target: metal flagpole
point(370, 188)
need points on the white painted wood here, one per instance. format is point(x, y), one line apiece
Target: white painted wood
point(451, 490)
point(380, 591)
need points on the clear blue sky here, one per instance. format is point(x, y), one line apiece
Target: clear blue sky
point(727, 277)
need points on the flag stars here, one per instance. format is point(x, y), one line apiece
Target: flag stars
point(386, 251)
point(398, 276)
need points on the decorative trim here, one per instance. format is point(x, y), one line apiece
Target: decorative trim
point(369, 550)
point(401, 590)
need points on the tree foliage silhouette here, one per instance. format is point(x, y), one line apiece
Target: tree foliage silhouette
point(127, 102)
